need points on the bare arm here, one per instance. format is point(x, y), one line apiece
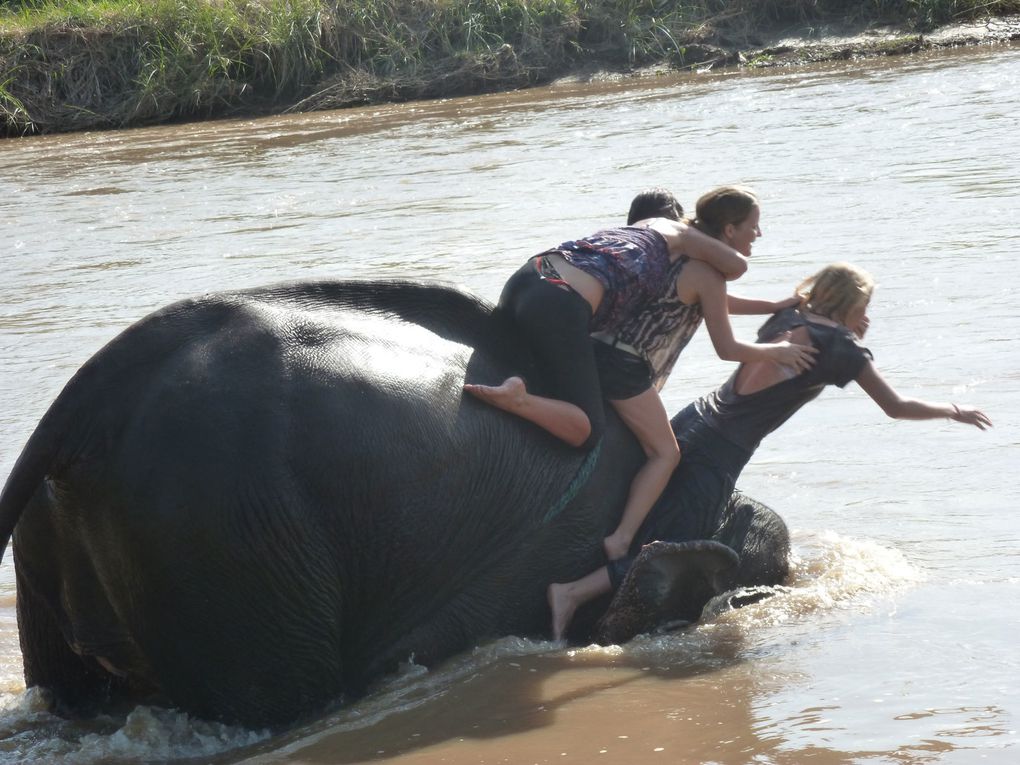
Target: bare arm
point(714, 306)
point(743, 306)
point(683, 239)
point(900, 408)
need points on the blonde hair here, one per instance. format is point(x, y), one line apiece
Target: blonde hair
point(836, 290)
point(722, 206)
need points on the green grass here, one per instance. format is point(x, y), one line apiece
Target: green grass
point(71, 64)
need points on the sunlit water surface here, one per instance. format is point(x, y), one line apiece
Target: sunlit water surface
point(896, 638)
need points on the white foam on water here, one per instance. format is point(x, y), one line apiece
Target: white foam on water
point(828, 572)
point(30, 735)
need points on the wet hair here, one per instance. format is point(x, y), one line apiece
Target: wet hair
point(723, 206)
point(836, 290)
point(654, 203)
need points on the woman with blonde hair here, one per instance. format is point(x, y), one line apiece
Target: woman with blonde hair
point(719, 432)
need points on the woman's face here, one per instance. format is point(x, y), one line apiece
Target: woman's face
point(857, 319)
point(741, 235)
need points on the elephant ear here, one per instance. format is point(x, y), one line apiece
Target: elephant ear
point(669, 582)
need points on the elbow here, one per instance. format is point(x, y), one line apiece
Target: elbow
point(894, 410)
point(727, 354)
point(738, 269)
point(666, 456)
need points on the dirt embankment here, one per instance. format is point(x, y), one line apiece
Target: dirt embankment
point(775, 48)
point(91, 81)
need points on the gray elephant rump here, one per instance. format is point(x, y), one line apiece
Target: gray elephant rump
point(251, 504)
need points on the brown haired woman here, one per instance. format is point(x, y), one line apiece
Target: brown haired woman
point(641, 295)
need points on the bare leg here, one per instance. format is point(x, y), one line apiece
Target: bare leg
point(564, 599)
point(567, 422)
point(646, 417)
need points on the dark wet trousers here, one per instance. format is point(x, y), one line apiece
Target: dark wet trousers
point(692, 504)
point(555, 322)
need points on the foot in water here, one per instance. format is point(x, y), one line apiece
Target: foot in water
point(668, 582)
point(562, 604)
point(508, 396)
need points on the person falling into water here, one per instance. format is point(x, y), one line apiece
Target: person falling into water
point(720, 432)
point(641, 291)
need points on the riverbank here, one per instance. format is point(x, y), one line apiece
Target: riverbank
point(76, 65)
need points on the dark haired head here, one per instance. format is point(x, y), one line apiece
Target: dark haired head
point(654, 203)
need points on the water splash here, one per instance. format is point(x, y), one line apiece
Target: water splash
point(827, 571)
point(30, 735)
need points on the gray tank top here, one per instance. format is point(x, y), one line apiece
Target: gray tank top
point(745, 420)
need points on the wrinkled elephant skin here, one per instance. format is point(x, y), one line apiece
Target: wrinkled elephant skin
point(251, 504)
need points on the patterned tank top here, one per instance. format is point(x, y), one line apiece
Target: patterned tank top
point(663, 326)
point(631, 263)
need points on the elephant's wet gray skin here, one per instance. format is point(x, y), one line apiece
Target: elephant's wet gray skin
point(251, 504)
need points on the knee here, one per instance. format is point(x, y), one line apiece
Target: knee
point(666, 454)
point(672, 456)
point(598, 428)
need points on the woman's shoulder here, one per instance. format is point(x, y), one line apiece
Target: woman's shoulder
point(844, 353)
point(781, 321)
point(699, 269)
point(697, 275)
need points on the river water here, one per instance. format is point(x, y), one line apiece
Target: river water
point(896, 638)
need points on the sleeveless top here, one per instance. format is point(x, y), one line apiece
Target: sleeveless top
point(745, 420)
point(640, 307)
point(663, 326)
point(630, 263)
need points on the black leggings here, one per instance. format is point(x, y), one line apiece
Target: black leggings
point(556, 324)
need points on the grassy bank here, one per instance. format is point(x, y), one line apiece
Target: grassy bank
point(74, 64)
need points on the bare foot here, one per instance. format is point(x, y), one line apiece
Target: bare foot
point(615, 546)
point(563, 606)
point(509, 396)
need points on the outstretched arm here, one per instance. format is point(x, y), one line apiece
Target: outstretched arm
point(900, 408)
point(743, 306)
point(714, 307)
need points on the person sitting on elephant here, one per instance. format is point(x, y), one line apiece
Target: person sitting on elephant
point(719, 432)
point(659, 202)
point(640, 291)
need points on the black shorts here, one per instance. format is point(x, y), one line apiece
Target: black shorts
point(622, 374)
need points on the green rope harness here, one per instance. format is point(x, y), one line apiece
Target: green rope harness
point(580, 479)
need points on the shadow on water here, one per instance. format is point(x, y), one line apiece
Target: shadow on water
point(509, 696)
point(733, 688)
point(534, 706)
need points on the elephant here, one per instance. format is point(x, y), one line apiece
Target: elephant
point(251, 504)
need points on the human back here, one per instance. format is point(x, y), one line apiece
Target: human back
point(746, 415)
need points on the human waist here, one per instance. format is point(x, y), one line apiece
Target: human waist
point(700, 441)
point(614, 341)
point(629, 263)
point(553, 267)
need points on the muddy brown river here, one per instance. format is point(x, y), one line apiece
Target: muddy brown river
point(895, 640)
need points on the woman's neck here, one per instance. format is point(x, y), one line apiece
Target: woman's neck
point(818, 318)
